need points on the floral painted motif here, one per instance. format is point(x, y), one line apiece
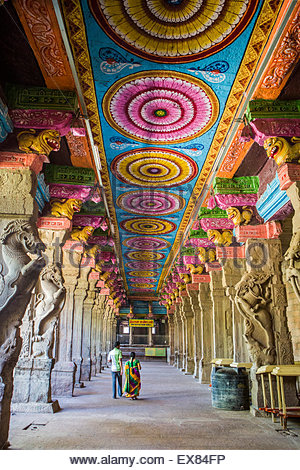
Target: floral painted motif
point(154, 167)
point(214, 72)
point(145, 202)
point(160, 107)
point(173, 30)
point(148, 226)
point(146, 243)
point(113, 62)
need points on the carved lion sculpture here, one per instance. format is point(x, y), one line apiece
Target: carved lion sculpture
point(202, 255)
point(211, 254)
point(253, 295)
point(65, 207)
point(206, 255)
point(45, 142)
point(82, 234)
point(92, 251)
point(195, 269)
point(220, 239)
point(239, 217)
point(18, 276)
point(186, 278)
point(98, 267)
point(180, 286)
point(281, 150)
point(104, 276)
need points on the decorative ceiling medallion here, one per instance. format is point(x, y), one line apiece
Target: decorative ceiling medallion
point(173, 30)
point(159, 106)
point(143, 285)
point(141, 279)
point(146, 243)
point(144, 255)
point(144, 202)
point(143, 273)
point(143, 265)
point(154, 167)
point(149, 226)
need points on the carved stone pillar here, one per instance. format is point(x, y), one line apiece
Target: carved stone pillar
point(19, 273)
point(63, 374)
point(233, 270)
point(188, 335)
point(32, 376)
point(207, 335)
point(182, 337)
point(105, 349)
point(261, 301)
point(99, 334)
point(86, 367)
point(80, 295)
point(177, 321)
point(95, 336)
point(193, 292)
point(150, 339)
point(222, 318)
point(171, 324)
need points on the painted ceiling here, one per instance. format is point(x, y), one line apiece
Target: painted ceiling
point(162, 80)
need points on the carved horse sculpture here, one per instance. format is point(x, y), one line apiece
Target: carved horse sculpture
point(18, 276)
point(50, 298)
point(252, 298)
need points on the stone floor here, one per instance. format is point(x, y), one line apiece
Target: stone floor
point(174, 412)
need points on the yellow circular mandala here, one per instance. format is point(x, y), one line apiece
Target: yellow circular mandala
point(143, 273)
point(145, 226)
point(154, 168)
point(143, 285)
point(145, 256)
point(173, 31)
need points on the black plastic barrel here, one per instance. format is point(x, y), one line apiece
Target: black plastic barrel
point(230, 389)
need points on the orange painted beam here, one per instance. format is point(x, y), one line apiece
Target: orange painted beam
point(41, 28)
point(235, 155)
point(285, 56)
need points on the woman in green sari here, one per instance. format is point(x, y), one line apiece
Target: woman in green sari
point(132, 385)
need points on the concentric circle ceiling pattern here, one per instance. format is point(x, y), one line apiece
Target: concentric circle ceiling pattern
point(146, 243)
point(154, 167)
point(145, 255)
point(143, 273)
point(143, 202)
point(160, 107)
point(173, 30)
point(143, 265)
point(148, 226)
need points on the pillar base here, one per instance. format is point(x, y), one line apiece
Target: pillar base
point(34, 407)
point(86, 369)
point(204, 373)
point(63, 379)
point(32, 381)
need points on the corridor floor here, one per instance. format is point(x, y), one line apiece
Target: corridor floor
point(174, 412)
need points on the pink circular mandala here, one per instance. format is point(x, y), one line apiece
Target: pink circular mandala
point(147, 202)
point(146, 243)
point(161, 107)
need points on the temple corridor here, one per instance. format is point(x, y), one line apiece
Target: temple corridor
point(169, 401)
